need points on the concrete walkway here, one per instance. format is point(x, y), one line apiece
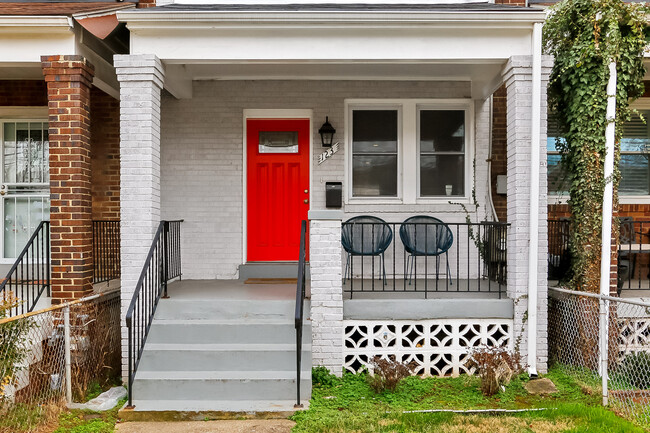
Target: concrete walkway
point(229, 426)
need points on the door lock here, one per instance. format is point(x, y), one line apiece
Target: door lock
point(306, 191)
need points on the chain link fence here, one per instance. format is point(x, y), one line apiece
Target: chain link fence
point(605, 343)
point(61, 354)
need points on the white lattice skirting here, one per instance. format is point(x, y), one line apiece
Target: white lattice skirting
point(634, 335)
point(436, 347)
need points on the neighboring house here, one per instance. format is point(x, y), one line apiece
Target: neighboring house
point(59, 134)
point(220, 110)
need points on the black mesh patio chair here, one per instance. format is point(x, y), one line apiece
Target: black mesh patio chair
point(365, 236)
point(426, 236)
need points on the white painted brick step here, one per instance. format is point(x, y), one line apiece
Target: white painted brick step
point(225, 309)
point(223, 332)
point(215, 386)
point(220, 357)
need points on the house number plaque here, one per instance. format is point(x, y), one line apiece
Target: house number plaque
point(328, 153)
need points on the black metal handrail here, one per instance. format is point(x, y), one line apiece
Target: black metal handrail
point(300, 308)
point(162, 264)
point(29, 276)
point(106, 250)
point(475, 260)
point(633, 261)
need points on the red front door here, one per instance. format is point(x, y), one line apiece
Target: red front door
point(277, 187)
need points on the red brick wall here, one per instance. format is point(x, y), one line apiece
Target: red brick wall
point(146, 4)
point(23, 93)
point(511, 2)
point(69, 79)
point(499, 156)
point(105, 155)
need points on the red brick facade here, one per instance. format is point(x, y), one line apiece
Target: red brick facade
point(105, 155)
point(23, 93)
point(69, 79)
point(499, 157)
point(146, 4)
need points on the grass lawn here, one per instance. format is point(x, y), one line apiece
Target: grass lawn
point(350, 405)
point(84, 421)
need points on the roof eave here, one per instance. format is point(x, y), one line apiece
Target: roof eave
point(197, 19)
point(36, 24)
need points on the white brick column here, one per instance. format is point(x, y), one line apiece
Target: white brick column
point(518, 79)
point(141, 80)
point(326, 289)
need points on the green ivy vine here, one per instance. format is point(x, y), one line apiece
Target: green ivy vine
point(584, 36)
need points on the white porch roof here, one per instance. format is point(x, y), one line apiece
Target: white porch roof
point(462, 42)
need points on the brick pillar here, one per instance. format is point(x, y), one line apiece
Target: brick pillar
point(518, 80)
point(69, 79)
point(326, 289)
point(141, 81)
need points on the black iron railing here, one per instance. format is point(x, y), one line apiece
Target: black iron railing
point(634, 255)
point(29, 276)
point(559, 255)
point(106, 251)
point(162, 264)
point(633, 264)
point(425, 257)
point(300, 308)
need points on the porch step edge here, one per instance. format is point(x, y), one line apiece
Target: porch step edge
point(200, 410)
point(177, 375)
point(211, 347)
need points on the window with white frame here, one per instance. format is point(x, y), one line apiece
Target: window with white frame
point(25, 201)
point(634, 164)
point(413, 150)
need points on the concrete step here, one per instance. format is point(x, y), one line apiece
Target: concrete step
point(270, 270)
point(199, 410)
point(223, 332)
point(228, 309)
point(222, 357)
point(223, 386)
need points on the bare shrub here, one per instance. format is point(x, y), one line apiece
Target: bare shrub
point(387, 374)
point(495, 366)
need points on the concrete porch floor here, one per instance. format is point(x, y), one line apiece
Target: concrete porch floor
point(368, 305)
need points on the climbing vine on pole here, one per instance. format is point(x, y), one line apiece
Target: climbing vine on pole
point(584, 36)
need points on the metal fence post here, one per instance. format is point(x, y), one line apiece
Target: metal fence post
point(68, 364)
point(603, 332)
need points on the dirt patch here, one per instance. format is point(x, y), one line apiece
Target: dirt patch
point(502, 424)
point(228, 426)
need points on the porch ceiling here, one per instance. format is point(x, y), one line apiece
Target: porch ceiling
point(463, 42)
point(484, 76)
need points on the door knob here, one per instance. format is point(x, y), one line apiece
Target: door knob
point(306, 201)
point(306, 191)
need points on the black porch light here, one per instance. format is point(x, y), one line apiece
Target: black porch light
point(327, 132)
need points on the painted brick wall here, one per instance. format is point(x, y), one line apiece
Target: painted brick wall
point(23, 93)
point(69, 79)
point(326, 294)
point(105, 155)
point(202, 159)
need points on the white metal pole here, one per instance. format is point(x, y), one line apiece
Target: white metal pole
point(606, 236)
point(533, 253)
point(68, 366)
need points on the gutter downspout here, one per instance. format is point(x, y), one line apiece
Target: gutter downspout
point(534, 197)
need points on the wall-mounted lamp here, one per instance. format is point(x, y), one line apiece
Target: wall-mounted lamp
point(327, 132)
